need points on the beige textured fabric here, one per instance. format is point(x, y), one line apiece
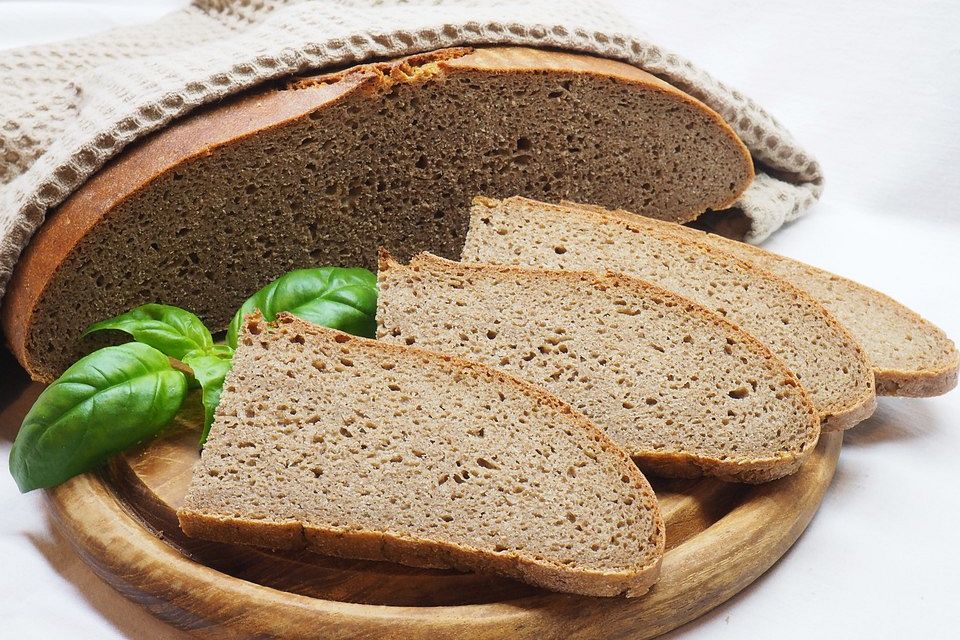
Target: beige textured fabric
point(67, 108)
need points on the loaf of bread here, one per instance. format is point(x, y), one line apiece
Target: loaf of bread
point(683, 391)
point(360, 449)
point(325, 169)
point(829, 362)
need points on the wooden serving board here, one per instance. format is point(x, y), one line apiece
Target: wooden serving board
point(720, 537)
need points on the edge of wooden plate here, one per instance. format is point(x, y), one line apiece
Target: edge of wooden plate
point(698, 574)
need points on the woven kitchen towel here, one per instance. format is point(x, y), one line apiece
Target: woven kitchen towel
point(67, 108)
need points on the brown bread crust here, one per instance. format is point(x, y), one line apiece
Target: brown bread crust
point(209, 129)
point(917, 384)
point(123, 178)
point(370, 545)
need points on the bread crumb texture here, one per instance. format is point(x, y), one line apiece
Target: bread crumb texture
point(910, 355)
point(359, 449)
point(829, 362)
point(680, 389)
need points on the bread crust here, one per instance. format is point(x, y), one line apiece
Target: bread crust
point(917, 384)
point(214, 126)
point(367, 545)
point(838, 418)
point(371, 545)
point(753, 471)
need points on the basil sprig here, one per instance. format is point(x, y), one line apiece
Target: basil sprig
point(119, 396)
point(107, 401)
point(344, 299)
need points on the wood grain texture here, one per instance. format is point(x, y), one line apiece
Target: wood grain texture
point(720, 537)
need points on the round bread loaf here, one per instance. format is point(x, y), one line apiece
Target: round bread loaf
point(324, 169)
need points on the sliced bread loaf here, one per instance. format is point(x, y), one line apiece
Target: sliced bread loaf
point(325, 169)
point(910, 355)
point(683, 391)
point(829, 362)
point(361, 449)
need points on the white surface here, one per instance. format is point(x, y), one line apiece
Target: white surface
point(872, 89)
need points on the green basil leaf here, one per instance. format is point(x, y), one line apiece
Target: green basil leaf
point(103, 404)
point(171, 330)
point(210, 370)
point(344, 299)
point(220, 350)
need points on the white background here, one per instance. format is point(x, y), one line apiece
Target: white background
point(873, 89)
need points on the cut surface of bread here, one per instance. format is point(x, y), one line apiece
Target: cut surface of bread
point(324, 170)
point(360, 449)
point(684, 392)
point(829, 362)
point(910, 355)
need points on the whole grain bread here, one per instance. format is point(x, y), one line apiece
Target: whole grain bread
point(325, 169)
point(683, 391)
point(829, 362)
point(910, 355)
point(360, 449)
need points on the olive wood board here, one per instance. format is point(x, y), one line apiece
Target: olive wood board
point(122, 521)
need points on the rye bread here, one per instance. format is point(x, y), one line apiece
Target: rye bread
point(325, 169)
point(910, 355)
point(360, 449)
point(680, 389)
point(827, 359)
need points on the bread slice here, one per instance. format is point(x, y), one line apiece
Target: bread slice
point(829, 362)
point(684, 392)
point(325, 169)
point(360, 449)
point(910, 355)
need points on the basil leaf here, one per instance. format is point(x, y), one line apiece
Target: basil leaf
point(344, 299)
point(171, 330)
point(219, 350)
point(106, 402)
point(210, 370)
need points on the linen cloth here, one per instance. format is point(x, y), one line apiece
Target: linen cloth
point(66, 108)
